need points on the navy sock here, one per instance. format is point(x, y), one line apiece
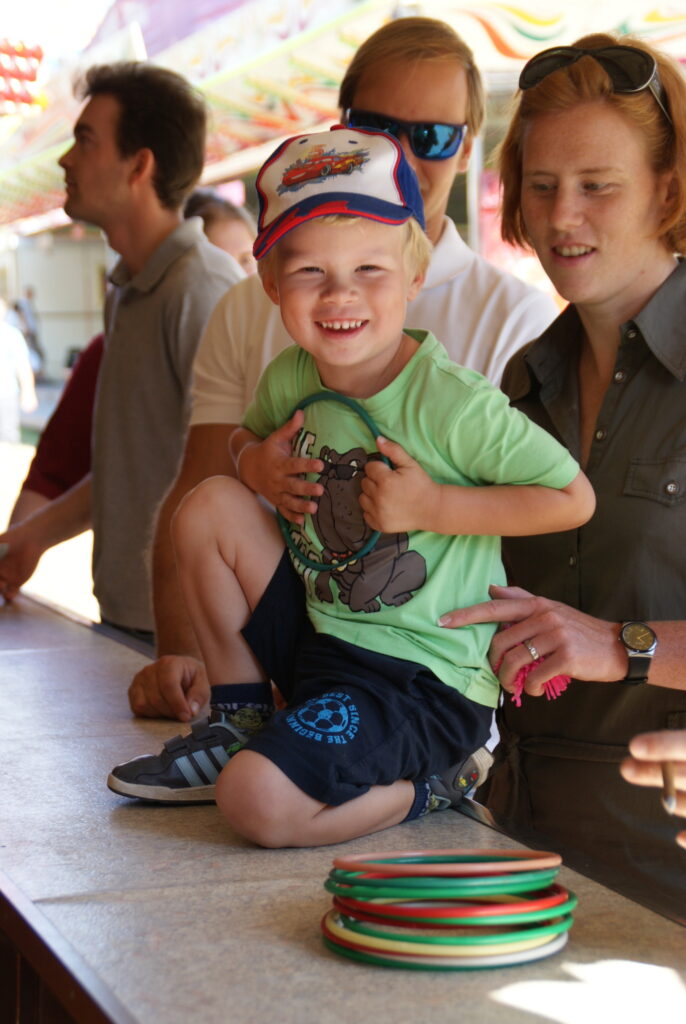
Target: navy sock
point(425, 800)
point(422, 800)
point(246, 705)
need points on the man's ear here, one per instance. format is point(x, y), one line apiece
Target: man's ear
point(465, 154)
point(142, 166)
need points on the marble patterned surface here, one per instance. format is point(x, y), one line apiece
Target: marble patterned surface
point(184, 920)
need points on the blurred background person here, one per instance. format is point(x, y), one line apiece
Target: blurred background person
point(23, 315)
point(63, 453)
point(17, 386)
point(229, 227)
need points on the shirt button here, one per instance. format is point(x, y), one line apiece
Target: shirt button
point(619, 377)
point(672, 487)
point(572, 561)
point(631, 334)
point(601, 434)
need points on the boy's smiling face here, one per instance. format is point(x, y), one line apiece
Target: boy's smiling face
point(343, 289)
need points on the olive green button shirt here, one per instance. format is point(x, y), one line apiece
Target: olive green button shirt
point(629, 561)
point(556, 778)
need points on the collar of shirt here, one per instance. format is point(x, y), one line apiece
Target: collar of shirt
point(451, 255)
point(661, 325)
point(182, 238)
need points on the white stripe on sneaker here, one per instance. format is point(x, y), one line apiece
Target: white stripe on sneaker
point(220, 754)
point(188, 771)
point(205, 764)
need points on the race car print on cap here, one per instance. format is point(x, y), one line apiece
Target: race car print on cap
point(351, 171)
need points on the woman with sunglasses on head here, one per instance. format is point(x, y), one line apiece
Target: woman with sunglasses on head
point(594, 179)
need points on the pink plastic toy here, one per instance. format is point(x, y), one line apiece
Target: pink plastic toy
point(551, 687)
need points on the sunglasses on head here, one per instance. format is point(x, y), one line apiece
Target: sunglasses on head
point(429, 140)
point(629, 69)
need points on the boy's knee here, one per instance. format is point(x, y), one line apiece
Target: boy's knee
point(249, 797)
point(206, 503)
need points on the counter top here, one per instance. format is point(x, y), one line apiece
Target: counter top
point(163, 914)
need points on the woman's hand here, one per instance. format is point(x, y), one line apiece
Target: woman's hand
point(572, 643)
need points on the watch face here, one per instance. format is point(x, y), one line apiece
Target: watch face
point(638, 636)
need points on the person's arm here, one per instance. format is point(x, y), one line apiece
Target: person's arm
point(28, 502)
point(572, 643)
point(406, 498)
point(63, 453)
point(175, 685)
point(206, 454)
point(63, 518)
point(649, 751)
point(193, 314)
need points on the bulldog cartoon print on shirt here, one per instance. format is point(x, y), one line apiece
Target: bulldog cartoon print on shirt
point(390, 573)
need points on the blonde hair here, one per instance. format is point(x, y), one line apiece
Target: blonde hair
point(586, 81)
point(417, 250)
point(409, 41)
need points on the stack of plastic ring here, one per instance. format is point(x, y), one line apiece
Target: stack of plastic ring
point(447, 909)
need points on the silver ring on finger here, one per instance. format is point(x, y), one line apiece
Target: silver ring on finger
point(531, 649)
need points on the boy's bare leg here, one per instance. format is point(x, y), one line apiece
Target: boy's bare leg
point(227, 548)
point(262, 804)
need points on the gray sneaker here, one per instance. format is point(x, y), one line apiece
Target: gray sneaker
point(186, 770)
point(462, 779)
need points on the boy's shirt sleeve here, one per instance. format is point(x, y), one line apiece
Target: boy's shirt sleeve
point(274, 398)
point(501, 445)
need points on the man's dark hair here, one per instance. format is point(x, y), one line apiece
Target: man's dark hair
point(160, 111)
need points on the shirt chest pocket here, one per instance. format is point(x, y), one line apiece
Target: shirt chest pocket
point(661, 480)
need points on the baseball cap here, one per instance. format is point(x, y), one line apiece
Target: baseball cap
point(355, 171)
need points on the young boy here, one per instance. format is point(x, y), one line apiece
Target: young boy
point(378, 697)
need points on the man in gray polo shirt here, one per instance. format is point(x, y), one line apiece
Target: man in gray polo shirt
point(138, 151)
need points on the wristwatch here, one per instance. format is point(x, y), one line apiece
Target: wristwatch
point(640, 642)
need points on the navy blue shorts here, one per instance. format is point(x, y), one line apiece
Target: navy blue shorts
point(354, 718)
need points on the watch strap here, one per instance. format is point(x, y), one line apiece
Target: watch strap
point(638, 669)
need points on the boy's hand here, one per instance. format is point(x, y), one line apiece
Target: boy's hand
point(399, 499)
point(270, 469)
point(174, 686)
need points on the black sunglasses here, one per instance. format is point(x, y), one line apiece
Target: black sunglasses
point(630, 69)
point(429, 140)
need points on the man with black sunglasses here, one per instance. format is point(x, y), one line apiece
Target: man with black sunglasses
point(417, 79)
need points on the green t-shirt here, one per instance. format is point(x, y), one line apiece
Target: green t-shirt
point(462, 431)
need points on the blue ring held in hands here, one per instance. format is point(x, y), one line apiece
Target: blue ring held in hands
point(370, 544)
